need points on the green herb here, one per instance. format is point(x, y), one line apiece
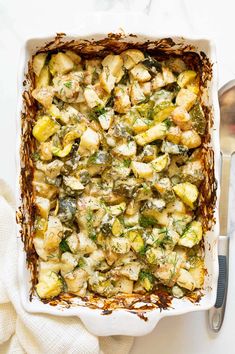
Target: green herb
point(99, 110)
point(151, 63)
point(96, 112)
point(173, 272)
point(168, 123)
point(90, 219)
point(125, 78)
point(89, 216)
point(110, 101)
point(35, 156)
point(64, 247)
point(81, 263)
point(92, 235)
point(126, 162)
point(68, 84)
point(92, 159)
point(143, 250)
point(147, 221)
point(145, 274)
point(95, 75)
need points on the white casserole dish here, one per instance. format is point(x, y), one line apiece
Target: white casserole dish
point(124, 321)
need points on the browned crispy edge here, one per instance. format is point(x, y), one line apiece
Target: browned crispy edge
point(160, 49)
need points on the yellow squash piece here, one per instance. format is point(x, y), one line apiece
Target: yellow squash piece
point(161, 162)
point(62, 152)
point(163, 114)
point(71, 136)
point(187, 192)
point(157, 132)
point(141, 125)
point(198, 274)
point(39, 62)
point(137, 242)
point(60, 63)
point(146, 283)
point(131, 57)
point(44, 78)
point(192, 236)
point(186, 77)
point(117, 228)
point(40, 227)
point(44, 128)
point(50, 285)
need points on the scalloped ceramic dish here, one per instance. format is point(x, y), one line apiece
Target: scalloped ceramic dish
point(123, 320)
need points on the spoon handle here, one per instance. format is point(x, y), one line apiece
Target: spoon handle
point(216, 313)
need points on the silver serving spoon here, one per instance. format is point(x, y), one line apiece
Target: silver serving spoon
point(227, 142)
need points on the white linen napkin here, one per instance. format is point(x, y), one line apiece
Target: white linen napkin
point(22, 332)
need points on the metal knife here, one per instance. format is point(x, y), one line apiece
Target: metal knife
point(227, 141)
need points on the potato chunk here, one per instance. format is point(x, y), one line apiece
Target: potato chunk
point(126, 149)
point(120, 245)
point(141, 169)
point(186, 99)
point(186, 280)
point(92, 98)
point(182, 118)
point(137, 94)
point(73, 56)
point(122, 100)
point(89, 141)
point(114, 63)
point(43, 206)
point(107, 80)
point(44, 95)
point(191, 139)
point(53, 234)
point(76, 282)
point(106, 119)
point(140, 73)
point(198, 274)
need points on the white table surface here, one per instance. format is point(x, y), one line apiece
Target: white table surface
point(186, 334)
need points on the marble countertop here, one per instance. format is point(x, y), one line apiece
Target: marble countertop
point(212, 18)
